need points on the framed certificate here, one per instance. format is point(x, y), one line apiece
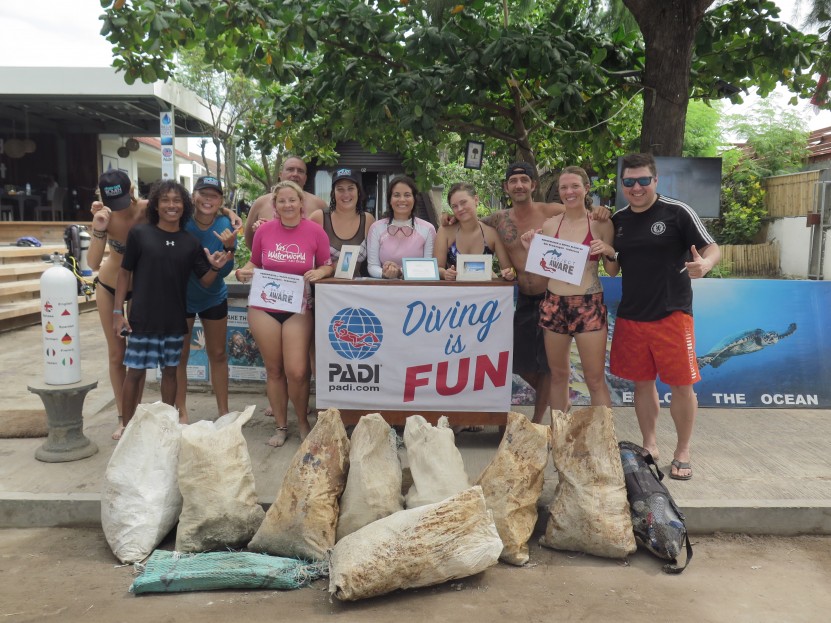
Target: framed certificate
point(347, 261)
point(276, 291)
point(420, 269)
point(474, 267)
point(474, 151)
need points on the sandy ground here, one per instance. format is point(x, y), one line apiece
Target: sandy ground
point(66, 574)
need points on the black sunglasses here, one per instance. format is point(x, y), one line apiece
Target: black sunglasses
point(643, 181)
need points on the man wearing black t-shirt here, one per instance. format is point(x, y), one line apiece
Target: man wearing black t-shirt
point(160, 257)
point(660, 245)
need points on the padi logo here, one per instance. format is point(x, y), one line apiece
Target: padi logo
point(340, 172)
point(113, 191)
point(658, 228)
point(355, 333)
point(210, 180)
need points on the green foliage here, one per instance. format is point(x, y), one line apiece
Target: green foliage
point(778, 137)
point(702, 135)
point(742, 200)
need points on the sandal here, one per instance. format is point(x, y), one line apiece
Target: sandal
point(278, 438)
point(679, 465)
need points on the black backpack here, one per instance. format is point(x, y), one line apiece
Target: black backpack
point(657, 521)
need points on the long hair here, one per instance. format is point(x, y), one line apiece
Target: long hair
point(401, 179)
point(584, 177)
point(360, 206)
point(162, 188)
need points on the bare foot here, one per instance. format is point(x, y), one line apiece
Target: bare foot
point(278, 438)
point(305, 429)
point(268, 412)
point(118, 432)
point(655, 456)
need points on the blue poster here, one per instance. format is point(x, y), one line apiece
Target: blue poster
point(759, 343)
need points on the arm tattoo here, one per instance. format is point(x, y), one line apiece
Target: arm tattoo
point(507, 230)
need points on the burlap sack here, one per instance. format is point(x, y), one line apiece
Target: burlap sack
point(220, 508)
point(512, 484)
point(373, 487)
point(435, 462)
point(303, 519)
point(455, 538)
point(141, 499)
point(590, 511)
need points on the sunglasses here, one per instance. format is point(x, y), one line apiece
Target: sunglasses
point(629, 182)
point(392, 230)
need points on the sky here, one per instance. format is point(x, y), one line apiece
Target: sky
point(65, 33)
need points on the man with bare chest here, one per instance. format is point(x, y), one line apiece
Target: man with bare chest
point(526, 214)
point(294, 170)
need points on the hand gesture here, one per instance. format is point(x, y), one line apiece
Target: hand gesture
point(100, 216)
point(257, 224)
point(699, 265)
point(218, 259)
point(236, 221)
point(228, 238)
point(508, 274)
point(199, 338)
point(450, 273)
point(526, 238)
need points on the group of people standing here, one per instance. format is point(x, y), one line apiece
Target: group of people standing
point(173, 251)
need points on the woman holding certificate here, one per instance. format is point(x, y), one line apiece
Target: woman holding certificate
point(280, 321)
point(469, 236)
point(400, 234)
point(576, 311)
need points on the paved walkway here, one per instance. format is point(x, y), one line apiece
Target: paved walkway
point(761, 471)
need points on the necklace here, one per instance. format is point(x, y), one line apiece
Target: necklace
point(208, 224)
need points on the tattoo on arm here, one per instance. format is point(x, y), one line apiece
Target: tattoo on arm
point(507, 230)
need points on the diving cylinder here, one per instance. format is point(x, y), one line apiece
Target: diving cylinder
point(85, 238)
point(59, 318)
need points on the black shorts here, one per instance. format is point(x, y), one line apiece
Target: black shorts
point(529, 343)
point(217, 312)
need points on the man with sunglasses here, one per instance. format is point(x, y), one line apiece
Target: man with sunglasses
point(660, 244)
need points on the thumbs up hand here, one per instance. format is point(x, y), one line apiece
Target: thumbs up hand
point(699, 266)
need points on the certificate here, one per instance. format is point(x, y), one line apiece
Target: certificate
point(557, 259)
point(420, 269)
point(276, 291)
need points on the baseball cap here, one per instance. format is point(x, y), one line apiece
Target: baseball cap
point(208, 181)
point(115, 189)
point(520, 168)
point(345, 174)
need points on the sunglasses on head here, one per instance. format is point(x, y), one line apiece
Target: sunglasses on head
point(643, 181)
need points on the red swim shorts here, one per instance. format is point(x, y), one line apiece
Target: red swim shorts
point(666, 348)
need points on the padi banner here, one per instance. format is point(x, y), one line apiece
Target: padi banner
point(759, 343)
point(419, 348)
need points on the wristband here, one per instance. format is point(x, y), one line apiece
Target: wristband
point(99, 234)
point(118, 312)
point(229, 250)
point(612, 258)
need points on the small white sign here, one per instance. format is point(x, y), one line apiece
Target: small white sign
point(557, 259)
point(276, 291)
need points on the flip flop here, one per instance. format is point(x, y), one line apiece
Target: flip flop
point(679, 465)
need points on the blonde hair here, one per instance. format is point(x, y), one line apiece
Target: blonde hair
point(287, 184)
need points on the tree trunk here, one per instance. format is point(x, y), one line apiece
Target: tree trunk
point(669, 28)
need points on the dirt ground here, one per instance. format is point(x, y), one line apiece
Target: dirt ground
point(69, 574)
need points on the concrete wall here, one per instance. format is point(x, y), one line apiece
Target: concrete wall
point(795, 244)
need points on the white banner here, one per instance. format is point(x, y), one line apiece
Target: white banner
point(557, 259)
point(276, 291)
point(414, 347)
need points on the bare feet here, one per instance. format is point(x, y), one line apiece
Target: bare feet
point(305, 429)
point(268, 412)
point(118, 432)
point(279, 437)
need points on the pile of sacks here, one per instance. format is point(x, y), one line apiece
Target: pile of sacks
point(342, 502)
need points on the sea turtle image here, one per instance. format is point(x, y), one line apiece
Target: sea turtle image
point(741, 344)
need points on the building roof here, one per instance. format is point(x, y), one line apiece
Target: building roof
point(93, 100)
point(819, 145)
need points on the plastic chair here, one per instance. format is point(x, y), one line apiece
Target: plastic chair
point(54, 208)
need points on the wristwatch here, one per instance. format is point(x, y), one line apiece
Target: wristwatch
point(613, 258)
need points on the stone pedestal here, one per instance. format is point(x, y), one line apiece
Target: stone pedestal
point(64, 415)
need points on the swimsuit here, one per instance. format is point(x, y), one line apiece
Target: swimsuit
point(98, 282)
point(586, 241)
point(453, 252)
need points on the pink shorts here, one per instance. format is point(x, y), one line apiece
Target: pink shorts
point(642, 351)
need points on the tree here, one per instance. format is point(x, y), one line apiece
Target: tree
point(689, 52)
point(401, 74)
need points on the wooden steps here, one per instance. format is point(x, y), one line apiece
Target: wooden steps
point(20, 272)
